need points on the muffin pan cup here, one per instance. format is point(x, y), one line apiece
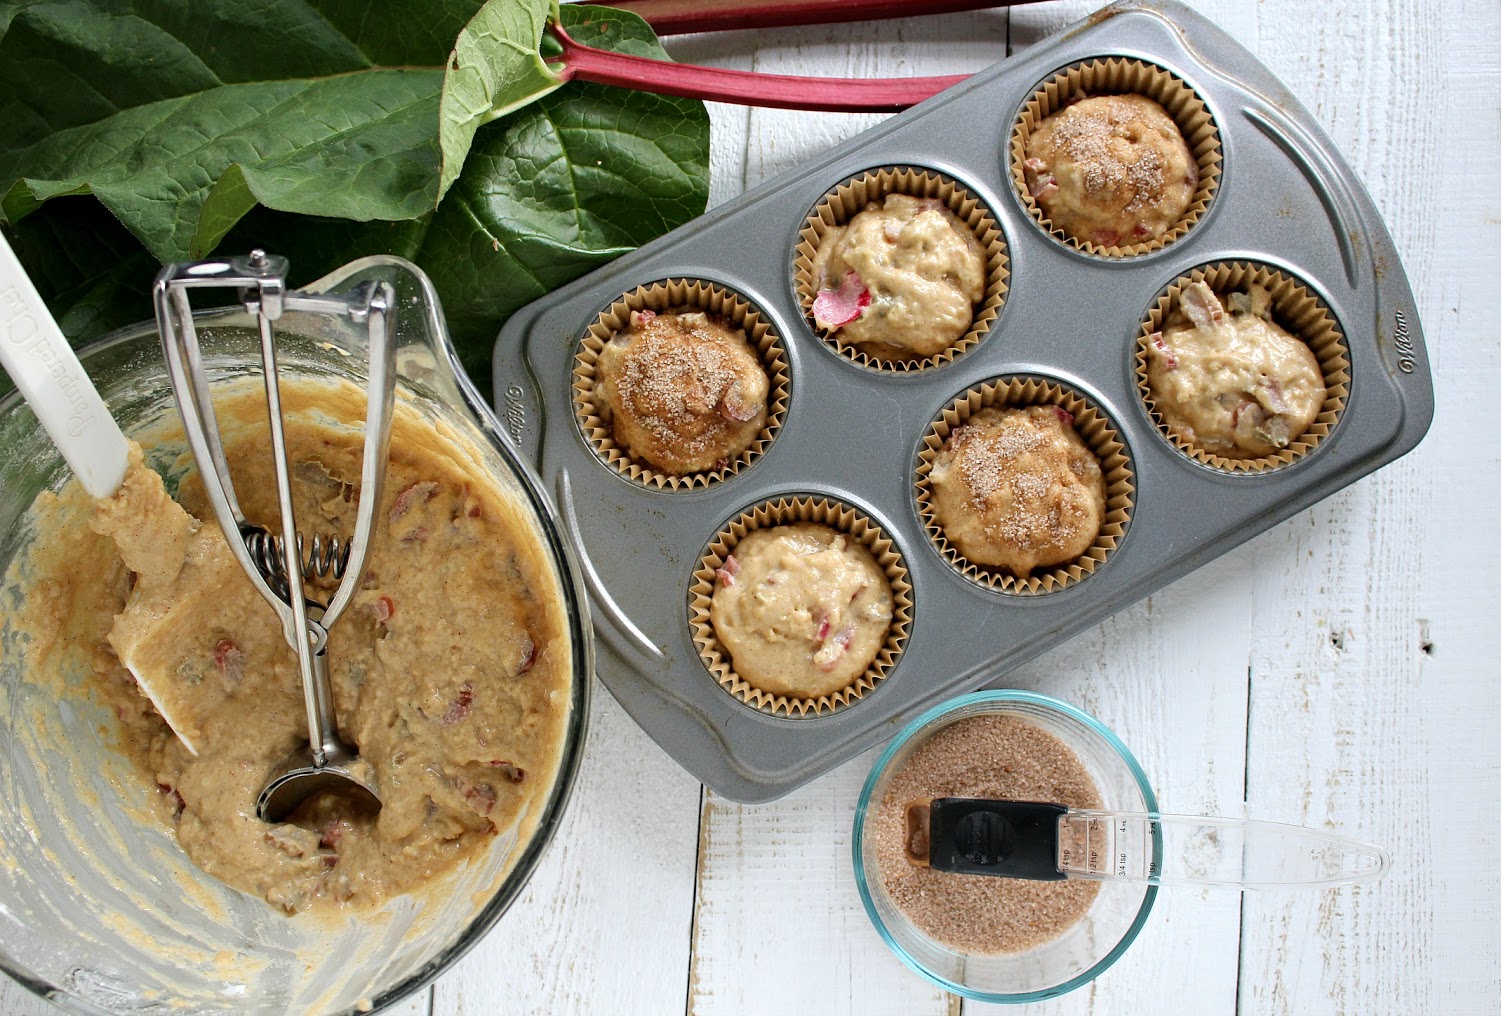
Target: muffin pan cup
point(848, 199)
point(784, 511)
point(1098, 434)
point(677, 295)
point(1285, 199)
point(1300, 313)
point(1112, 75)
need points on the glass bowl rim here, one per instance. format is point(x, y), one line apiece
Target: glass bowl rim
point(919, 726)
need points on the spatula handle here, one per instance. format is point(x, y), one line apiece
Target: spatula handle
point(48, 374)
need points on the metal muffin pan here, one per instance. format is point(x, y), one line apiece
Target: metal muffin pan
point(1286, 198)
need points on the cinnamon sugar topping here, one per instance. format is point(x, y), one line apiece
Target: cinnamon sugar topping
point(683, 391)
point(995, 756)
point(1017, 488)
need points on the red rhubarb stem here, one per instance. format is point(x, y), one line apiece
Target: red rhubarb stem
point(778, 91)
point(678, 17)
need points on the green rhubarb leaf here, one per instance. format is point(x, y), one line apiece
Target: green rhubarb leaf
point(496, 67)
point(548, 194)
point(563, 186)
point(551, 191)
point(179, 117)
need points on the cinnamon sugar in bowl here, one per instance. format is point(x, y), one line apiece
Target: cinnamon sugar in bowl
point(987, 938)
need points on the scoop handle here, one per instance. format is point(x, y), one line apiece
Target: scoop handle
point(47, 372)
point(1194, 850)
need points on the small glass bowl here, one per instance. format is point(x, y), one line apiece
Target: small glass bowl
point(1085, 950)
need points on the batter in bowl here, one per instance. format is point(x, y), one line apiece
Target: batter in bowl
point(450, 670)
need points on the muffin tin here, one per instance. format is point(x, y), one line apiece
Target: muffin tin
point(855, 435)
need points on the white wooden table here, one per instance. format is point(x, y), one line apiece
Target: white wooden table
point(1352, 682)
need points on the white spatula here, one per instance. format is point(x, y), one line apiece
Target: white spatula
point(46, 371)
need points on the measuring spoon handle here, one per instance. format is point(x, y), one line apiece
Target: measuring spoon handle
point(1196, 850)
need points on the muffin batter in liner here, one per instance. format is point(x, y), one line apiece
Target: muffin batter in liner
point(1116, 76)
point(848, 199)
point(1097, 432)
point(785, 510)
point(671, 295)
point(1295, 308)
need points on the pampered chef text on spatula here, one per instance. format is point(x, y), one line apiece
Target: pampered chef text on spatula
point(1048, 842)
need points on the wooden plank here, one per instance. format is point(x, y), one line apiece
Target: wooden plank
point(603, 924)
point(779, 925)
point(1374, 694)
point(744, 845)
point(1168, 675)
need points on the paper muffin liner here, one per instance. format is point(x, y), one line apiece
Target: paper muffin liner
point(849, 198)
point(1295, 308)
point(782, 511)
point(1117, 76)
point(678, 295)
point(1097, 432)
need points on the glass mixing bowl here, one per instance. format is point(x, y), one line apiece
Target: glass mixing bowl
point(1083, 951)
point(103, 913)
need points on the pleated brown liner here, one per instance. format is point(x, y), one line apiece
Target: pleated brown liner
point(782, 511)
point(678, 295)
point(1295, 308)
point(848, 199)
point(1098, 433)
point(1118, 76)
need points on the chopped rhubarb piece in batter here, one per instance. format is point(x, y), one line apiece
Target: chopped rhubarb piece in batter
point(1273, 396)
point(174, 799)
point(1064, 416)
point(460, 707)
point(334, 832)
point(511, 772)
point(1167, 354)
point(726, 572)
point(229, 659)
point(384, 608)
point(640, 317)
point(833, 308)
point(481, 796)
point(1201, 305)
point(1105, 237)
point(834, 648)
point(412, 496)
point(528, 656)
point(734, 407)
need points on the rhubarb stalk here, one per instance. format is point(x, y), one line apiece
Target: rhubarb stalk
point(578, 62)
point(678, 17)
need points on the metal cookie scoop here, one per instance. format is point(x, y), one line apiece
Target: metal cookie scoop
point(327, 764)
